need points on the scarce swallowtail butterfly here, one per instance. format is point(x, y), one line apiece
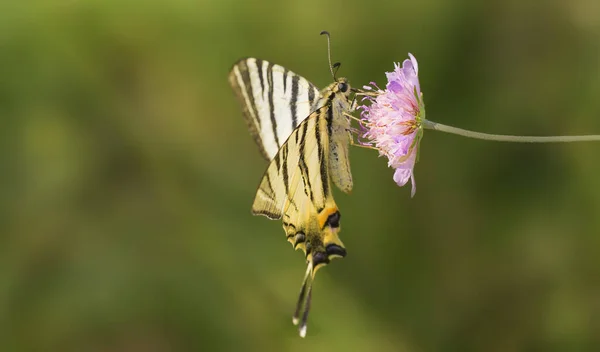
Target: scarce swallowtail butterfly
point(304, 134)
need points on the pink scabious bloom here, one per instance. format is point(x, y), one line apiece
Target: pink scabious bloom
point(392, 121)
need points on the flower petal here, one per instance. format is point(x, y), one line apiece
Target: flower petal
point(392, 120)
point(415, 63)
point(401, 176)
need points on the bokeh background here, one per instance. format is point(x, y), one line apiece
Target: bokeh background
point(128, 174)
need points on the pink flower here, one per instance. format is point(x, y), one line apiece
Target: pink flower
point(392, 120)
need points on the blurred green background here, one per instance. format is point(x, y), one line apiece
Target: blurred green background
point(128, 175)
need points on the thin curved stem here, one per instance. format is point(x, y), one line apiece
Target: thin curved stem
point(507, 138)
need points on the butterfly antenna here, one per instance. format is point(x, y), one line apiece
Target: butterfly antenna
point(329, 53)
point(304, 301)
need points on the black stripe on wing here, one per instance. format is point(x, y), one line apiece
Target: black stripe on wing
point(242, 86)
point(270, 93)
point(285, 76)
point(259, 68)
point(294, 101)
point(302, 163)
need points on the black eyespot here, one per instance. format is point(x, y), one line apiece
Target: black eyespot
point(334, 249)
point(343, 87)
point(299, 238)
point(319, 258)
point(334, 219)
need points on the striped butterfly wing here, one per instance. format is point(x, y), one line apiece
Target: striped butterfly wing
point(296, 188)
point(304, 134)
point(275, 100)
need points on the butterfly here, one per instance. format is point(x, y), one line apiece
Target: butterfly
point(304, 133)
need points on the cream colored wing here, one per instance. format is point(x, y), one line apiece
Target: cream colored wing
point(275, 100)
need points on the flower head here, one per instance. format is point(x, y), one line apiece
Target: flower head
point(392, 120)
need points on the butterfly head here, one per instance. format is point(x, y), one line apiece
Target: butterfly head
point(342, 86)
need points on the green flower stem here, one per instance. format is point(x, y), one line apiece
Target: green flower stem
point(505, 138)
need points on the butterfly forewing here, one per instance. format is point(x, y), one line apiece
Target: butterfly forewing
point(299, 171)
point(275, 101)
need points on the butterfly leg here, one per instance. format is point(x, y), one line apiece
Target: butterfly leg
point(353, 118)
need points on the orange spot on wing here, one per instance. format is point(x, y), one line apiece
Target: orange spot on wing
point(325, 214)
